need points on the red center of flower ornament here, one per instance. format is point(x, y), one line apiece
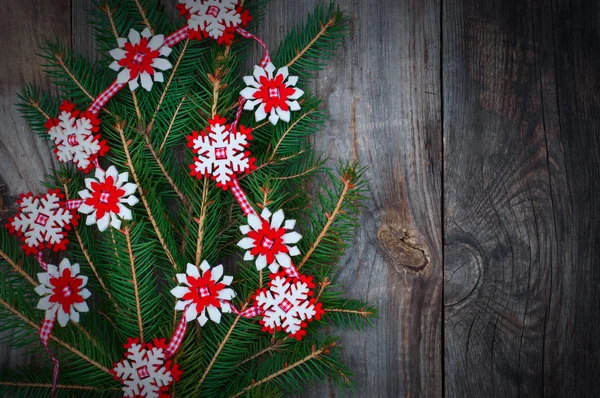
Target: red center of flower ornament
point(42, 219)
point(269, 241)
point(139, 57)
point(285, 305)
point(66, 290)
point(213, 11)
point(221, 153)
point(274, 93)
point(203, 291)
point(105, 197)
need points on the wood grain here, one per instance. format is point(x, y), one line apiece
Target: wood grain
point(521, 155)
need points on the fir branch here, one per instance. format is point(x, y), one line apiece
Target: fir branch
point(362, 312)
point(304, 115)
point(201, 221)
point(160, 150)
point(36, 106)
point(58, 386)
point(135, 283)
point(119, 129)
point(316, 354)
point(311, 43)
point(272, 347)
point(17, 268)
point(330, 219)
point(53, 337)
point(143, 15)
point(62, 64)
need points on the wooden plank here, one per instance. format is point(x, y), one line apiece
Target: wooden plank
point(383, 96)
point(521, 157)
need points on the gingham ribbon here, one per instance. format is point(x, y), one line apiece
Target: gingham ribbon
point(40, 258)
point(177, 36)
point(177, 337)
point(292, 272)
point(248, 312)
point(73, 204)
point(266, 57)
point(240, 196)
point(45, 331)
point(103, 98)
point(238, 114)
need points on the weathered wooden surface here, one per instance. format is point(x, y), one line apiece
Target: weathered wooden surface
point(478, 121)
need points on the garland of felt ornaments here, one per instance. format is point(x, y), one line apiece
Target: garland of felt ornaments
point(220, 152)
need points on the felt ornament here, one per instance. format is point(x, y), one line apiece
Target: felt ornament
point(139, 57)
point(105, 198)
point(146, 371)
point(220, 152)
point(287, 304)
point(42, 221)
point(63, 292)
point(270, 239)
point(75, 136)
point(273, 92)
point(217, 19)
point(203, 294)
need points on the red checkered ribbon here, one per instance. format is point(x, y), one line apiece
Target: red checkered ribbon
point(292, 272)
point(248, 312)
point(40, 257)
point(238, 114)
point(266, 57)
point(177, 338)
point(73, 204)
point(240, 196)
point(177, 36)
point(45, 331)
point(103, 98)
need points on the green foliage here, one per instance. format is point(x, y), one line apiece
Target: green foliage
point(183, 220)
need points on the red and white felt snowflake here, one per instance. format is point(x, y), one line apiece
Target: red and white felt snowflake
point(202, 294)
point(217, 19)
point(145, 371)
point(287, 304)
point(220, 152)
point(268, 240)
point(63, 292)
point(75, 136)
point(105, 198)
point(140, 58)
point(42, 222)
point(275, 95)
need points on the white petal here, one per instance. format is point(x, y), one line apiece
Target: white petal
point(214, 313)
point(226, 294)
point(159, 77)
point(74, 315)
point(283, 115)
point(293, 250)
point(91, 219)
point(132, 200)
point(103, 222)
point(124, 76)
point(133, 84)
point(84, 194)
point(88, 183)
point(258, 72)
point(42, 291)
point(273, 118)
point(248, 256)
point(266, 213)
point(202, 318)
point(122, 178)
point(86, 209)
point(53, 270)
point(250, 104)
point(115, 66)
point(297, 94)
point(181, 278)
point(292, 80)
point(260, 113)
point(274, 267)
point(227, 279)
point(191, 313)
point(64, 264)
point(246, 243)
point(179, 291)
point(216, 273)
point(289, 224)
point(51, 312)
point(249, 80)
point(294, 105)
point(146, 33)
point(62, 317)
point(121, 41)
point(277, 219)
point(283, 71)
point(245, 229)
point(204, 266)
point(162, 64)
point(44, 303)
point(292, 237)
point(117, 54)
point(134, 36)
point(75, 270)
point(129, 188)
point(284, 260)
point(261, 262)
point(248, 92)
point(165, 51)
point(270, 68)
point(225, 308)
point(146, 81)
point(44, 278)
point(180, 305)
point(156, 42)
point(99, 174)
point(254, 221)
point(85, 294)
point(124, 213)
point(192, 270)
point(81, 307)
point(115, 221)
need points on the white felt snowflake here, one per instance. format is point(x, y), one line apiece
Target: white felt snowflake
point(275, 95)
point(202, 294)
point(220, 152)
point(140, 58)
point(63, 292)
point(42, 222)
point(143, 371)
point(287, 304)
point(212, 17)
point(105, 198)
point(75, 136)
point(269, 241)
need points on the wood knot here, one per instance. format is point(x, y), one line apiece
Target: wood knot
point(402, 248)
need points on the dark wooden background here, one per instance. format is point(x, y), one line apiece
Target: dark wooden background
point(479, 122)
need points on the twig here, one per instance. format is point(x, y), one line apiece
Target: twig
point(170, 126)
point(72, 76)
point(143, 15)
point(135, 284)
point(356, 312)
point(201, 220)
point(310, 44)
point(287, 131)
point(272, 347)
point(18, 269)
point(37, 107)
point(58, 386)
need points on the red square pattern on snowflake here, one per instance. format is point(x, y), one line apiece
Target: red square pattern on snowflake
point(72, 140)
point(213, 11)
point(221, 153)
point(42, 219)
point(143, 372)
point(285, 305)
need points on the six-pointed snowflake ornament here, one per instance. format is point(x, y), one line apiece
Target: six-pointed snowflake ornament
point(63, 292)
point(105, 198)
point(42, 222)
point(145, 371)
point(268, 240)
point(217, 19)
point(140, 58)
point(288, 304)
point(221, 152)
point(75, 136)
point(202, 294)
point(275, 95)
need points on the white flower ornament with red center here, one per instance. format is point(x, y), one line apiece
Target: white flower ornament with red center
point(275, 95)
point(268, 240)
point(287, 304)
point(203, 294)
point(221, 152)
point(105, 198)
point(140, 58)
point(63, 292)
point(42, 222)
point(75, 136)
